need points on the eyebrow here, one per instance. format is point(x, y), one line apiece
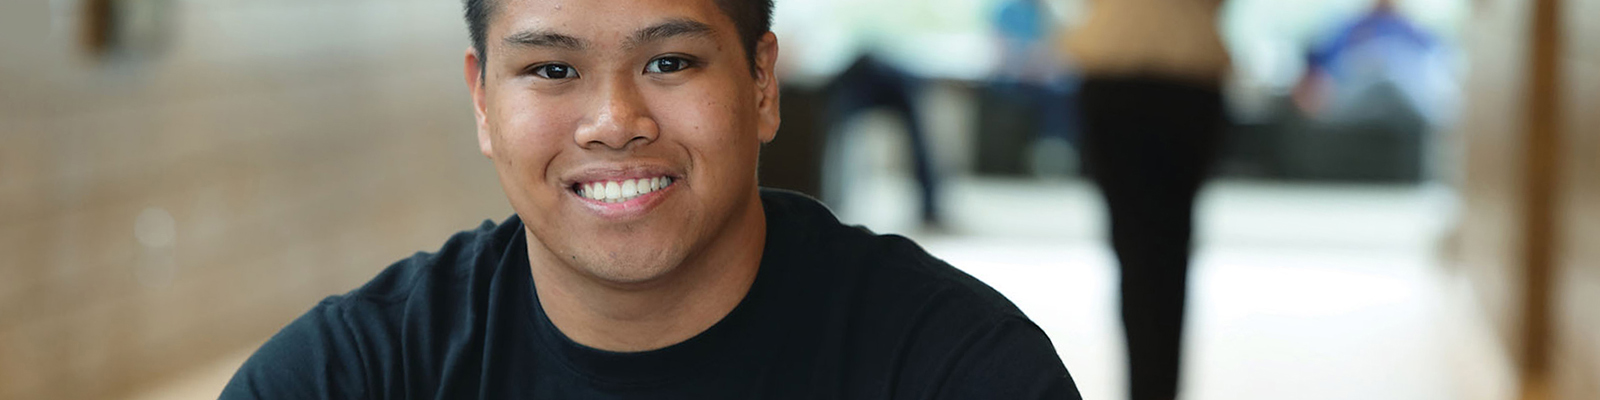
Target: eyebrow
point(676, 27)
point(544, 38)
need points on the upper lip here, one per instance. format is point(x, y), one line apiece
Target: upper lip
point(617, 172)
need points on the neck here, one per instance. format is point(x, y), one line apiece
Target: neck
point(662, 312)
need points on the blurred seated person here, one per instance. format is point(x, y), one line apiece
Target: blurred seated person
point(870, 83)
point(1373, 64)
point(1024, 28)
point(1030, 70)
point(643, 261)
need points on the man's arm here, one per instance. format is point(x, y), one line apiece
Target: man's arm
point(1011, 359)
point(315, 357)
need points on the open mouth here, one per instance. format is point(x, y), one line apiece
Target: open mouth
point(619, 191)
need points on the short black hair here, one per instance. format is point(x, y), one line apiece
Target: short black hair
point(753, 18)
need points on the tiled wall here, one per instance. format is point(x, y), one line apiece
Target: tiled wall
point(161, 209)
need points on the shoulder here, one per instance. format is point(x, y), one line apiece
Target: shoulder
point(873, 274)
point(882, 260)
point(952, 334)
point(466, 254)
point(427, 288)
point(339, 346)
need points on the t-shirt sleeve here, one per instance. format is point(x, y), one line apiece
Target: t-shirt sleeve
point(1012, 359)
point(315, 357)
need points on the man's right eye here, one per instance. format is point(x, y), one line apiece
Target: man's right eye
point(554, 71)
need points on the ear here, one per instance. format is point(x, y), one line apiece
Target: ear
point(473, 69)
point(766, 60)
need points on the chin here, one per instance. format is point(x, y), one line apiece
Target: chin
point(630, 270)
point(631, 258)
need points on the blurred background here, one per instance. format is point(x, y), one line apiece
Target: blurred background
point(181, 178)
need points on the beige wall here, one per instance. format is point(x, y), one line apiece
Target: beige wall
point(158, 211)
point(1576, 348)
point(1532, 189)
point(1490, 235)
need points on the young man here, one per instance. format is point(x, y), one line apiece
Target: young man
point(643, 261)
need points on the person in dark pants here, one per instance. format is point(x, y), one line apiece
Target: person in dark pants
point(1149, 145)
point(870, 83)
point(1153, 115)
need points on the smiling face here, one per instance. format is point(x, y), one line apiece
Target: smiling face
point(625, 132)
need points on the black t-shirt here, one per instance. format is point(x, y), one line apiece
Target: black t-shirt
point(835, 312)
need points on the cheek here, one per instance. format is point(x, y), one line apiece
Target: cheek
point(713, 125)
point(528, 135)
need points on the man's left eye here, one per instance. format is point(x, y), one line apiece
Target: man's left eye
point(666, 65)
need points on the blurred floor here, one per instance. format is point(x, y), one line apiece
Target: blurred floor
point(1301, 291)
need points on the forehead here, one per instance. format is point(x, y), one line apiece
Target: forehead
point(600, 19)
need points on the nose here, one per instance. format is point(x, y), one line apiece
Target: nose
point(619, 119)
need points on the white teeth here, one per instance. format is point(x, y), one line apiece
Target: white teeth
point(620, 191)
point(630, 188)
point(613, 191)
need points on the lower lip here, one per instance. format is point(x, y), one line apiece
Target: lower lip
point(635, 207)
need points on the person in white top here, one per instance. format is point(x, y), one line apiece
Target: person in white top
point(1153, 115)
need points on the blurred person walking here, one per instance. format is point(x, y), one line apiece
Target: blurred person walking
point(1153, 115)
